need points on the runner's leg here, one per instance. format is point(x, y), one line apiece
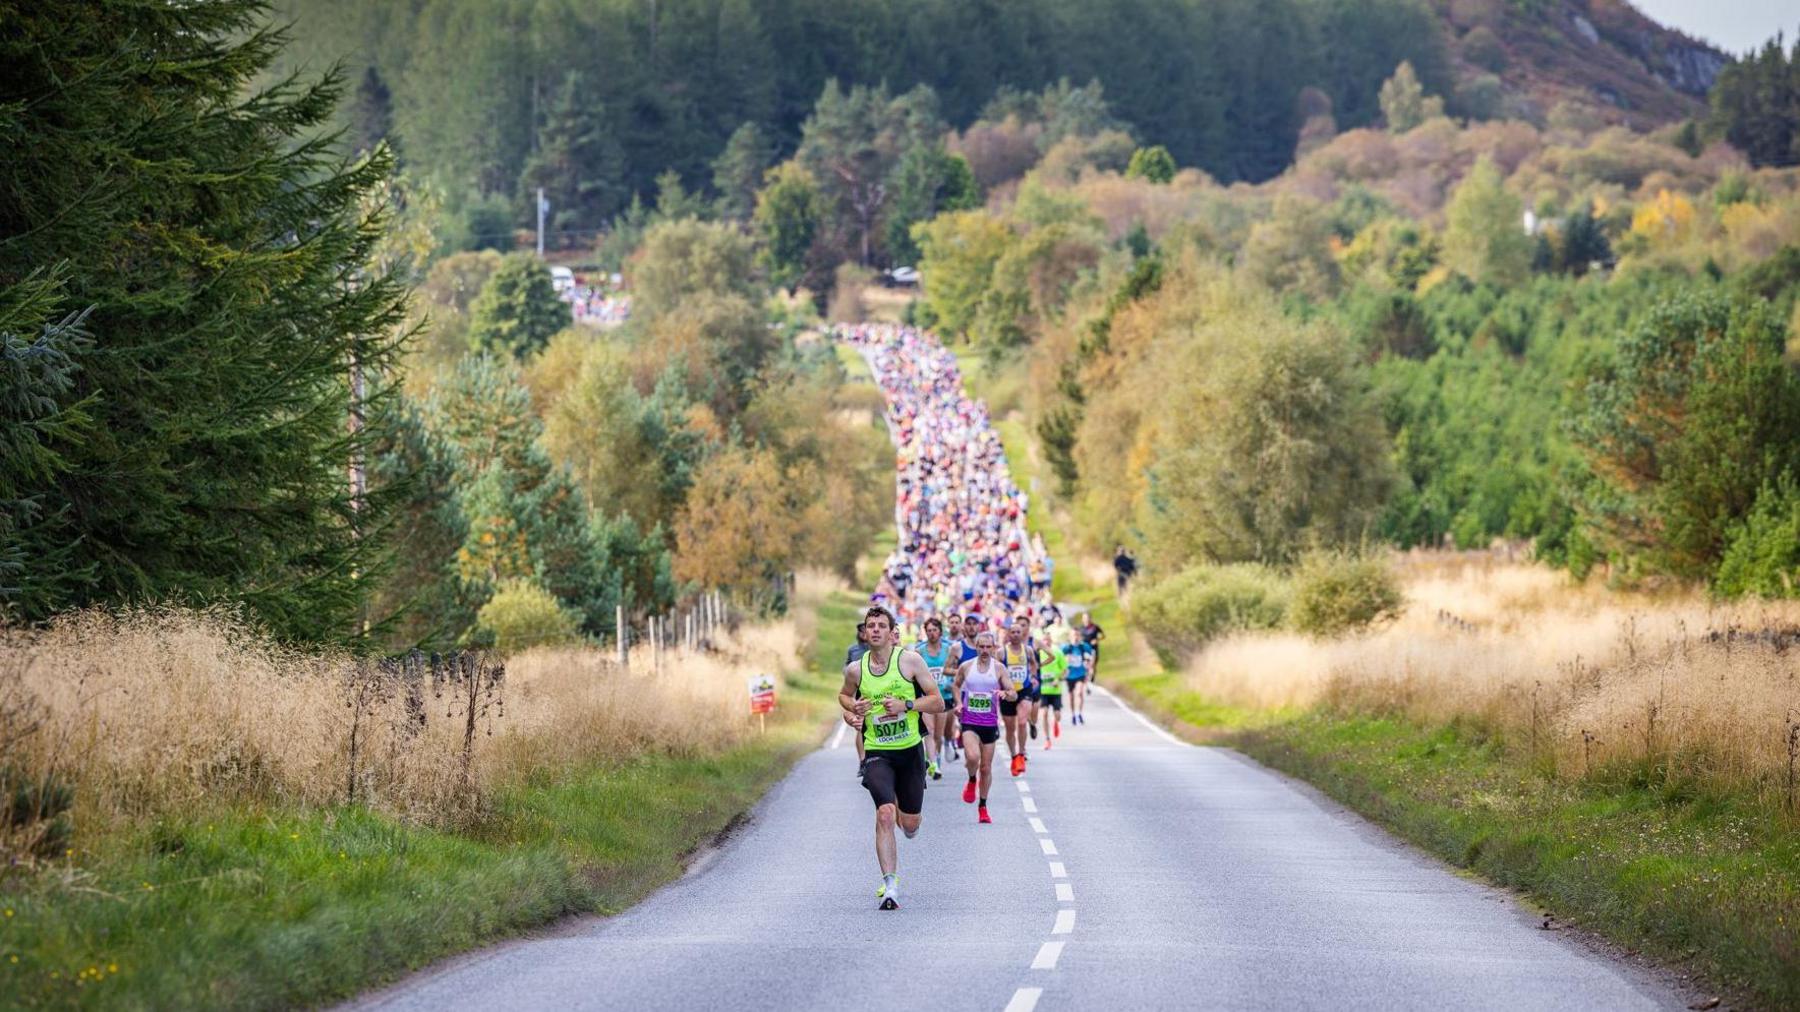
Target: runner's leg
point(885, 849)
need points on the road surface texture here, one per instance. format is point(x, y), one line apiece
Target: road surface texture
point(1126, 870)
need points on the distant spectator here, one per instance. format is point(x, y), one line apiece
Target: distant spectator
point(1124, 564)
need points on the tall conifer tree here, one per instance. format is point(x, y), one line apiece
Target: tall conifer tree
point(202, 220)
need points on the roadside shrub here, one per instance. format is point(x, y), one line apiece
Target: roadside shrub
point(1337, 593)
point(1183, 612)
point(522, 615)
point(1763, 553)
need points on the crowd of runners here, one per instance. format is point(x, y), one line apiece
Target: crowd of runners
point(963, 645)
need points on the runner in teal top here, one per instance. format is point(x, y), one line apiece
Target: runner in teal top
point(940, 659)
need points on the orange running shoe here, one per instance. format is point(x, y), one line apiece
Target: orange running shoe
point(969, 793)
point(1018, 764)
point(981, 815)
point(1056, 730)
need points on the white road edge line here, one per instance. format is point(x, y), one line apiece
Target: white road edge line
point(1024, 788)
point(1030, 805)
point(1065, 922)
point(1047, 955)
point(838, 738)
point(1147, 722)
point(1048, 844)
point(1057, 870)
point(1024, 999)
point(1037, 825)
point(1065, 893)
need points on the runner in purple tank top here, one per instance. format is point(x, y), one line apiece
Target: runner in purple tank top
point(981, 685)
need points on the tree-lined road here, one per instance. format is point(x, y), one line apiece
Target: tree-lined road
point(1126, 870)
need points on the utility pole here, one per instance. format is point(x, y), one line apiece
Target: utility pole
point(543, 209)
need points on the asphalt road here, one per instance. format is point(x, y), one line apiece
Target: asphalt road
point(1126, 870)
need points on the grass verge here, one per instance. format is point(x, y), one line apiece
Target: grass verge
point(1706, 881)
point(243, 908)
point(1711, 882)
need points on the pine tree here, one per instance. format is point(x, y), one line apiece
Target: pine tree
point(224, 254)
point(738, 171)
point(371, 112)
point(40, 352)
point(579, 164)
point(517, 310)
point(1756, 104)
point(787, 218)
point(527, 519)
point(927, 181)
point(851, 145)
point(423, 598)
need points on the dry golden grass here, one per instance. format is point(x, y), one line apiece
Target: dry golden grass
point(159, 711)
point(1589, 681)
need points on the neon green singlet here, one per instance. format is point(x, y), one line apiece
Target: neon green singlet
point(881, 731)
point(1050, 675)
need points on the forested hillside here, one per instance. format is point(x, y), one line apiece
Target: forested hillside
point(472, 88)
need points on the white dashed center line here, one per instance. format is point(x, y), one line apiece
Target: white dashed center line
point(1024, 999)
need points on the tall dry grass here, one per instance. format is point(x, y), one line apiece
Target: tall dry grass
point(1588, 682)
point(161, 711)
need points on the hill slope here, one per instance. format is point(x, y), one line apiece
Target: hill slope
point(1604, 53)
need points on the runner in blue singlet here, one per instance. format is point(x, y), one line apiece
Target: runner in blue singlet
point(941, 660)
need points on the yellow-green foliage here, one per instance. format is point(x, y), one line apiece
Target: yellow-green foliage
point(1337, 593)
point(1200, 603)
point(522, 614)
point(1225, 429)
point(1486, 239)
point(959, 253)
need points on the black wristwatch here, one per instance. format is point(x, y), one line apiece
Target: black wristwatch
point(909, 706)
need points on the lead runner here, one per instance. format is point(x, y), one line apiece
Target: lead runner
point(884, 692)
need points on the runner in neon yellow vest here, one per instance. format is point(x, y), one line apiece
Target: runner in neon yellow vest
point(1052, 669)
point(883, 694)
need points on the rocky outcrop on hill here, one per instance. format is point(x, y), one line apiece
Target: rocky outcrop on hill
point(1602, 53)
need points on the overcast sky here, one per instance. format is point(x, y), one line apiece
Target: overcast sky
point(1735, 26)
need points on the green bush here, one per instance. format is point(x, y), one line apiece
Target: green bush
point(1181, 613)
point(518, 309)
point(1762, 556)
point(522, 614)
point(1337, 593)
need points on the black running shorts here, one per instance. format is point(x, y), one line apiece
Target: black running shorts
point(986, 734)
point(1053, 700)
point(896, 777)
point(1009, 708)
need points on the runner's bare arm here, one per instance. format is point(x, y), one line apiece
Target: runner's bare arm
point(848, 700)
